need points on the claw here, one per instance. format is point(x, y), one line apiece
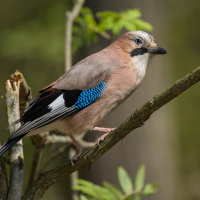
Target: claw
point(102, 138)
point(123, 140)
point(107, 130)
point(76, 156)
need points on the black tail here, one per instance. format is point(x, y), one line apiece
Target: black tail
point(16, 122)
point(9, 143)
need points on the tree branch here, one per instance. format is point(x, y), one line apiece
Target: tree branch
point(52, 139)
point(3, 180)
point(71, 16)
point(16, 157)
point(137, 119)
point(24, 91)
point(17, 95)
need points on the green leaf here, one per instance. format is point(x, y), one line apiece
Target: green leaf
point(83, 197)
point(85, 186)
point(142, 25)
point(129, 26)
point(85, 190)
point(107, 20)
point(129, 197)
point(137, 197)
point(84, 30)
point(93, 190)
point(103, 193)
point(131, 15)
point(106, 14)
point(113, 189)
point(124, 180)
point(139, 180)
point(89, 17)
point(128, 19)
point(150, 188)
point(85, 183)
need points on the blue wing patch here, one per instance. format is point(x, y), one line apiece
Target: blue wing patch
point(89, 96)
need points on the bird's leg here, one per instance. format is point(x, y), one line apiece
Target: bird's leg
point(78, 147)
point(102, 129)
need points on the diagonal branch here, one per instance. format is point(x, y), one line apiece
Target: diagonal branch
point(137, 119)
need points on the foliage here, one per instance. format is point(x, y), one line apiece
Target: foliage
point(90, 191)
point(87, 29)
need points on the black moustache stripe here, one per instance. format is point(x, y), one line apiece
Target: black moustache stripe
point(138, 51)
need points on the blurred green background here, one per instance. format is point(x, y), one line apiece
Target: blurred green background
point(32, 40)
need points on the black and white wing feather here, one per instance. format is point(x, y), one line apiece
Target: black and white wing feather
point(46, 108)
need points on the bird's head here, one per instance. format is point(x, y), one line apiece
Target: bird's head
point(139, 43)
point(138, 47)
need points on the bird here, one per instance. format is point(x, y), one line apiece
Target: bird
point(79, 100)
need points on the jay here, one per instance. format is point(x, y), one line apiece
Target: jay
point(79, 100)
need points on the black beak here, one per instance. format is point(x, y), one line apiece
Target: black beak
point(159, 50)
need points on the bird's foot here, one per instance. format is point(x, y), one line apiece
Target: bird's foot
point(101, 138)
point(76, 156)
point(102, 129)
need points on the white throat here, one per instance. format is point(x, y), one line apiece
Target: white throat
point(141, 61)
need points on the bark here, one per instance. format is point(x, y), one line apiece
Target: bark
point(17, 93)
point(3, 180)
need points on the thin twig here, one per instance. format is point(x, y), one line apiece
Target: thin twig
point(65, 141)
point(52, 139)
point(71, 16)
point(53, 156)
point(103, 34)
point(137, 119)
point(39, 143)
point(35, 164)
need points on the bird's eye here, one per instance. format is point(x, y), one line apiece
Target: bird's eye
point(138, 41)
